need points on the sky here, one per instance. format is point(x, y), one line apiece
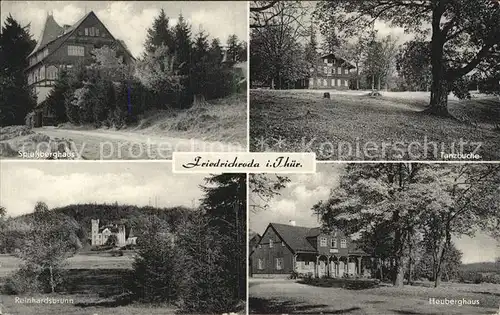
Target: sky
point(63, 183)
point(129, 20)
point(305, 190)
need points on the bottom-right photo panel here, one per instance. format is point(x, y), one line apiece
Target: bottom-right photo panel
point(389, 238)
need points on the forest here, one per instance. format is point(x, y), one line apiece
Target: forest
point(189, 260)
point(178, 69)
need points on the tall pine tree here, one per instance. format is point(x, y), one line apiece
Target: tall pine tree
point(160, 34)
point(17, 98)
point(183, 45)
point(225, 206)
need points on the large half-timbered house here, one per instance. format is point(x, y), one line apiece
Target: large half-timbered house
point(284, 250)
point(331, 72)
point(62, 47)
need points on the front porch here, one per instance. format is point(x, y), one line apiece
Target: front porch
point(333, 266)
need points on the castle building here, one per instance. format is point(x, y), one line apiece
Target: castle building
point(100, 234)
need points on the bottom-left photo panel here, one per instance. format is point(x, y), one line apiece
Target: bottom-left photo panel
point(120, 238)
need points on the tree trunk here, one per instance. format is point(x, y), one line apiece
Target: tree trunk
point(52, 282)
point(444, 252)
point(400, 272)
point(357, 75)
point(378, 83)
point(439, 87)
point(373, 83)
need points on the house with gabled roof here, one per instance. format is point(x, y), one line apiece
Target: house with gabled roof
point(331, 72)
point(62, 47)
point(286, 249)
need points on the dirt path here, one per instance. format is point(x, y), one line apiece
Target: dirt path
point(286, 296)
point(109, 144)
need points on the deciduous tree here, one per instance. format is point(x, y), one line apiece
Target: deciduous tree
point(463, 34)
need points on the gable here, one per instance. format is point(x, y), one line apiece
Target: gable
point(86, 30)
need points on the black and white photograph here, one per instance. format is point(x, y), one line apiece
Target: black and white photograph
point(376, 80)
point(120, 238)
point(120, 80)
point(392, 239)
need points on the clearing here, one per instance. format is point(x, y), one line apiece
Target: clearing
point(96, 284)
point(268, 296)
point(354, 126)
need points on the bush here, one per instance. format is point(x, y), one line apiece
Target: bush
point(116, 253)
point(29, 279)
point(491, 278)
point(25, 280)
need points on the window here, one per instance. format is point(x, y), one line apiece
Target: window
point(76, 51)
point(306, 263)
point(325, 60)
point(325, 83)
point(86, 32)
point(270, 243)
point(346, 83)
point(335, 233)
point(96, 32)
point(333, 82)
point(343, 243)
point(279, 263)
point(322, 242)
point(325, 70)
point(338, 82)
point(91, 33)
point(282, 244)
point(334, 243)
point(346, 71)
point(261, 264)
point(339, 70)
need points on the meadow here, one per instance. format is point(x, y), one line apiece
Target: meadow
point(352, 125)
point(95, 283)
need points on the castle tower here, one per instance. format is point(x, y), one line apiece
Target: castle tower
point(121, 235)
point(95, 231)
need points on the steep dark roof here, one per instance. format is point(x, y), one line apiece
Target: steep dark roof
point(51, 30)
point(294, 236)
point(349, 65)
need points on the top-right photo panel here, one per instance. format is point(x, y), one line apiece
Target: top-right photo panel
point(376, 80)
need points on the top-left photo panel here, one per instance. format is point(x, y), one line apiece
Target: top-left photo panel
point(132, 80)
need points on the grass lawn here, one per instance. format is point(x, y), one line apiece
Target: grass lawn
point(288, 296)
point(353, 126)
point(95, 284)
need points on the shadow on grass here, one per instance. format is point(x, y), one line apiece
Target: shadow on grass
point(110, 286)
point(486, 293)
point(403, 312)
point(264, 306)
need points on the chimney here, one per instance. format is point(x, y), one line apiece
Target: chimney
point(292, 223)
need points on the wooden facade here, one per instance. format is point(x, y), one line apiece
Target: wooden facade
point(284, 250)
point(62, 47)
point(331, 72)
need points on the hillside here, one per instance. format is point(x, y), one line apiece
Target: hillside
point(80, 215)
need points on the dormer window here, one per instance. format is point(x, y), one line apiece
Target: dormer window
point(325, 60)
point(270, 243)
point(322, 241)
point(334, 243)
point(343, 243)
